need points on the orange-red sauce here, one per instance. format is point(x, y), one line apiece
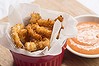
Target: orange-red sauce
point(87, 39)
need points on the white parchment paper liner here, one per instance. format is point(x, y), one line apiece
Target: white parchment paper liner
point(21, 14)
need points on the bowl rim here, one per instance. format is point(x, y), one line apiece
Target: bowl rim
point(81, 54)
point(80, 16)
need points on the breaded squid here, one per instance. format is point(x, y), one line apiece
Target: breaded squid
point(17, 28)
point(45, 23)
point(23, 35)
point(36, 34)
point(37, 45)
point(14, 33)
point(41, 30)
point(30, 46)
point(42, 44)
point(60, 18)
point(34, 18)
point(32, 33)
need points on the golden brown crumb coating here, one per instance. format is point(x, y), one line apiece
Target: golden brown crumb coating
point(22, 35)
point(32, 33)
point(60, 18)
point(42, 44)
point(45, 23)
point(14, 33)
point(30, 46)
point(34, 17)
point(41, 30)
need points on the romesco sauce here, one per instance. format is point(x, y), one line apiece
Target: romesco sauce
point(87, 39)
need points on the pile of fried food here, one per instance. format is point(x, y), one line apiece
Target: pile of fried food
point(35, 35)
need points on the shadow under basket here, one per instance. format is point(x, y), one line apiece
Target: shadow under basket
point(23, 60)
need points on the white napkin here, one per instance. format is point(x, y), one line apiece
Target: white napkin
point(4, 6)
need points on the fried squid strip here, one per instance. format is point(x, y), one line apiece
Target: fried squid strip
point(34, 18)
point(14, 33)
point(32, 33)
point(30, 46)
point(42, 44)
point(60, 18)
point(41, 30)
point(23, 35)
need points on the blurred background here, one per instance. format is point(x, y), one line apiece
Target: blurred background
point(91, 4)
point(4, 5)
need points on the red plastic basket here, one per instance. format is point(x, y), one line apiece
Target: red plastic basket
point(24, 60)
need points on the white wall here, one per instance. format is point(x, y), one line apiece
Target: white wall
point(91, 4)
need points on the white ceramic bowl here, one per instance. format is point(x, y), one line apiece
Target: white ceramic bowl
point(85, 18)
